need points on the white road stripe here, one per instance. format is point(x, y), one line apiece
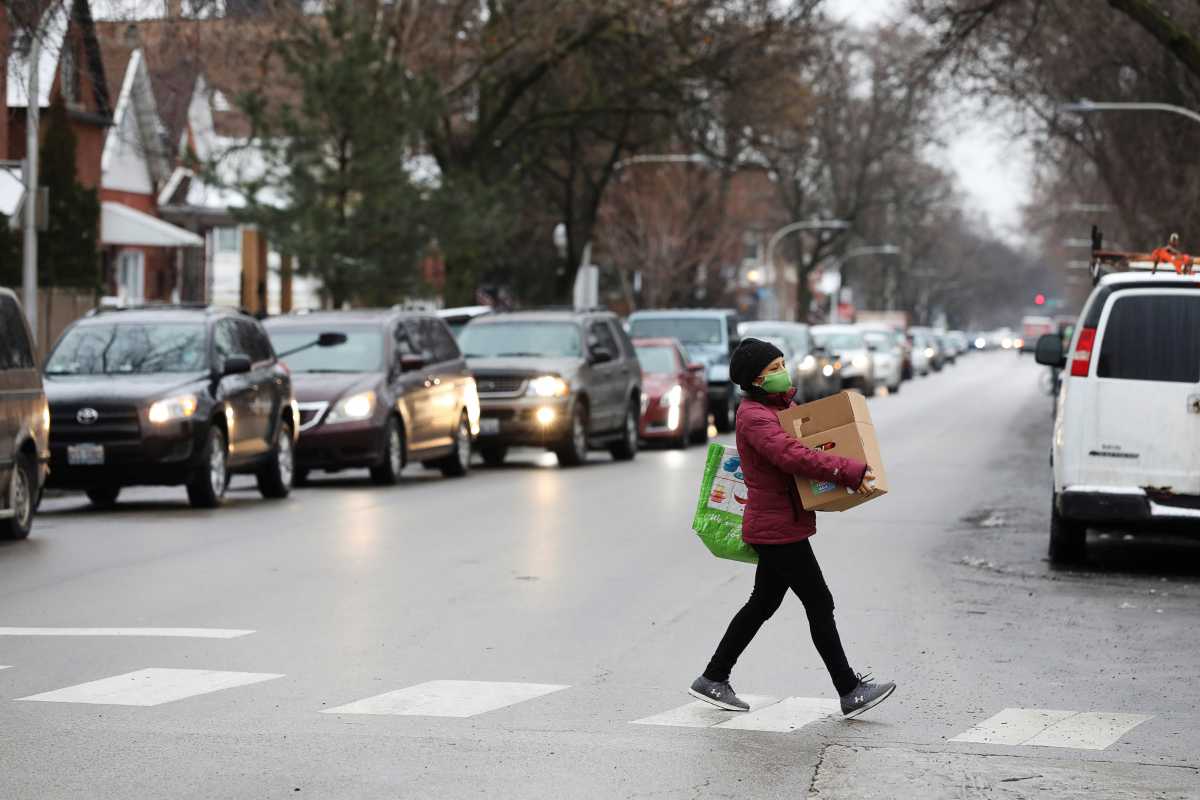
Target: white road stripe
point(789, 714)
point(699, 714)
point(152, 687)
point(1038, 727)
point(448, 698)
point(192, 633)
point(2, 666)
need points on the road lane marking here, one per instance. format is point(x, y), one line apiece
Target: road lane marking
point(1039, 727)
point(699, 714)
point(3, 666)
point(190, 633)
point(152, 687)
point(766, 714)
point(448, 699)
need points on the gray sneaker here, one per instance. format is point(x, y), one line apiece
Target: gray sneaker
point(719, 693)
point(865, 696)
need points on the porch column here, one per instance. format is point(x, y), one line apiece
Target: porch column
point(285, 283)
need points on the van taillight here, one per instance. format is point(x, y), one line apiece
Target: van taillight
point(1081, 359)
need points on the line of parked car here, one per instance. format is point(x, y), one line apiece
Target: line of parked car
point(191, 395)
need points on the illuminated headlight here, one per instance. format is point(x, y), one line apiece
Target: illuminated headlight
point(46, 417)
point(548, 386)
point(545, 416)
point(1006, 343)
point(929, 352)
point(180, 407)
point(355, 407)
point(861, 362)
point(827, 371)
point(980, 343)
point(808, 364)
point(673, 398)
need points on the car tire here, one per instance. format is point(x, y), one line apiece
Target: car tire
point(700, 434)
point(723, 414)
point(572, 451)
point(868, 388)
point(207, 488)
point(103, 496)
point(894, 389)
point(1068, 539)
point(627, 447)
point(21, 497)
point(388, 470)
point(458, 463)
point(493, 455)
point(275, 477)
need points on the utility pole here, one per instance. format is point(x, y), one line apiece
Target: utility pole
point(29, 270)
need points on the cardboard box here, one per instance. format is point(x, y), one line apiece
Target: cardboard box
point(840, 425)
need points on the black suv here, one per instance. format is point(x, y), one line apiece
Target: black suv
point(565, 381)
point(166, 396)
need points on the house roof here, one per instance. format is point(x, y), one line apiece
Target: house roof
point(55, 24)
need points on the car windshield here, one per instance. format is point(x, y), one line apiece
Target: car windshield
point(522, 340)
point(361, 352)
point(839, 341)
point(130, 349)
point(657, 359)
point(689, 330)
point(879, 338)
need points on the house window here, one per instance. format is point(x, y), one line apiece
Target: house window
point(228, 240)
point(69, 74)
point(131, 276)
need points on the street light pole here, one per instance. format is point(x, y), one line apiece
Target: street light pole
point(1087, 106)
point(29, 252)
point(795, 227)
point(858, 252)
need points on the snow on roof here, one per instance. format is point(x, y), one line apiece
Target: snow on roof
point(54, 31)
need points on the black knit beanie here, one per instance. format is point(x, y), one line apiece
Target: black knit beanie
point(749, 359)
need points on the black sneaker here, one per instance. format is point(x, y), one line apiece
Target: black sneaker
point(719, 693)
point(865, 696)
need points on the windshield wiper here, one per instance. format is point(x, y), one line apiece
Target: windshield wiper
point(322, 371)
point(520, 355)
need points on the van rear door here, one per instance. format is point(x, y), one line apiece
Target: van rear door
point(1144, 425)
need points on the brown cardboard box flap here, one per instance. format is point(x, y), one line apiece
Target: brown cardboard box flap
point(844, 408)
point(857, 441)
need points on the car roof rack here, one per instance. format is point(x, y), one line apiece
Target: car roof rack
point(1169, 258)
point(110, 308)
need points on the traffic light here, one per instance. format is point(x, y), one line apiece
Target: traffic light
point(1039, 299)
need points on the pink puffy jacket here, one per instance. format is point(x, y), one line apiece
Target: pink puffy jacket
point(769, 460)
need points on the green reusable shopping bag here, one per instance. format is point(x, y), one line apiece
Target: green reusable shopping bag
point(718, 520)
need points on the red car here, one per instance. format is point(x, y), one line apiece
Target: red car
point(674, 393)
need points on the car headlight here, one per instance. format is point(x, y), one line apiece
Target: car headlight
point(180, 407)
point(861, 362)
point(673, 398)
point(354, 407)
point(808, 364)
point(827, 371)
point(548, 386)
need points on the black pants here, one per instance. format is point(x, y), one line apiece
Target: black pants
point(782, 567)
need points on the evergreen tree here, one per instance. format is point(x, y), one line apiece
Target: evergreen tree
point(10, 255)
point(68, 250)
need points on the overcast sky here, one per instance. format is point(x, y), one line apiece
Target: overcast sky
point(994, 171)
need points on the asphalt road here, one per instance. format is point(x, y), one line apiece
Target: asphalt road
point(571, 604)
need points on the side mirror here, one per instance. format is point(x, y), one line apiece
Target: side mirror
point(1050, 351)
point(236, 365)
point(601, 355)
point(331, 339)
point(411, 362)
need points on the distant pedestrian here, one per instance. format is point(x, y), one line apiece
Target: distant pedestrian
point(778, 528)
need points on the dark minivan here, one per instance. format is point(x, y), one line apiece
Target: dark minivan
point(169, 396)
point(24, 423)
point(389, 387)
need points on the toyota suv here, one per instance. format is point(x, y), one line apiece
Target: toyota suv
point(562, 380)
point(169, 396)
point(24, 421)
point(1126, 446)
point(710, 336)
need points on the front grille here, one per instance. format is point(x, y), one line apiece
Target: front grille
point(113, 423)
point(500, 385)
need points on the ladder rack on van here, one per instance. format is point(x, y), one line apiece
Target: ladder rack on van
point(1106, 262)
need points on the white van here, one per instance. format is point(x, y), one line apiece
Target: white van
point(1126, 448)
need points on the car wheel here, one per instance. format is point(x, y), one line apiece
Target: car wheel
point(700, 433)
point(21, 496)
point(723, 415)
point(207, 487)
point(103, 496)
point(275, 478)
point(868, 387)
point(1068, 539)
point(573, 451)
point(458, 463)
point(494, 455)
point(894, 389)
point(626, 449)
point(388, 470)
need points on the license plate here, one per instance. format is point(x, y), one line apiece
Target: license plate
point(85, 454)
point(489, 426)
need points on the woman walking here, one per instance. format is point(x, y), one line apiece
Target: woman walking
point(778, 528)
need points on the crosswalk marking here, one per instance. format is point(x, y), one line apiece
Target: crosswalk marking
point(1039, 727)
point(151, 687)
point(766, 714)
point(188, 633)
point(448, 698)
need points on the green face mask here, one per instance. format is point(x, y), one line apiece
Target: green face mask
point(777, 382)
